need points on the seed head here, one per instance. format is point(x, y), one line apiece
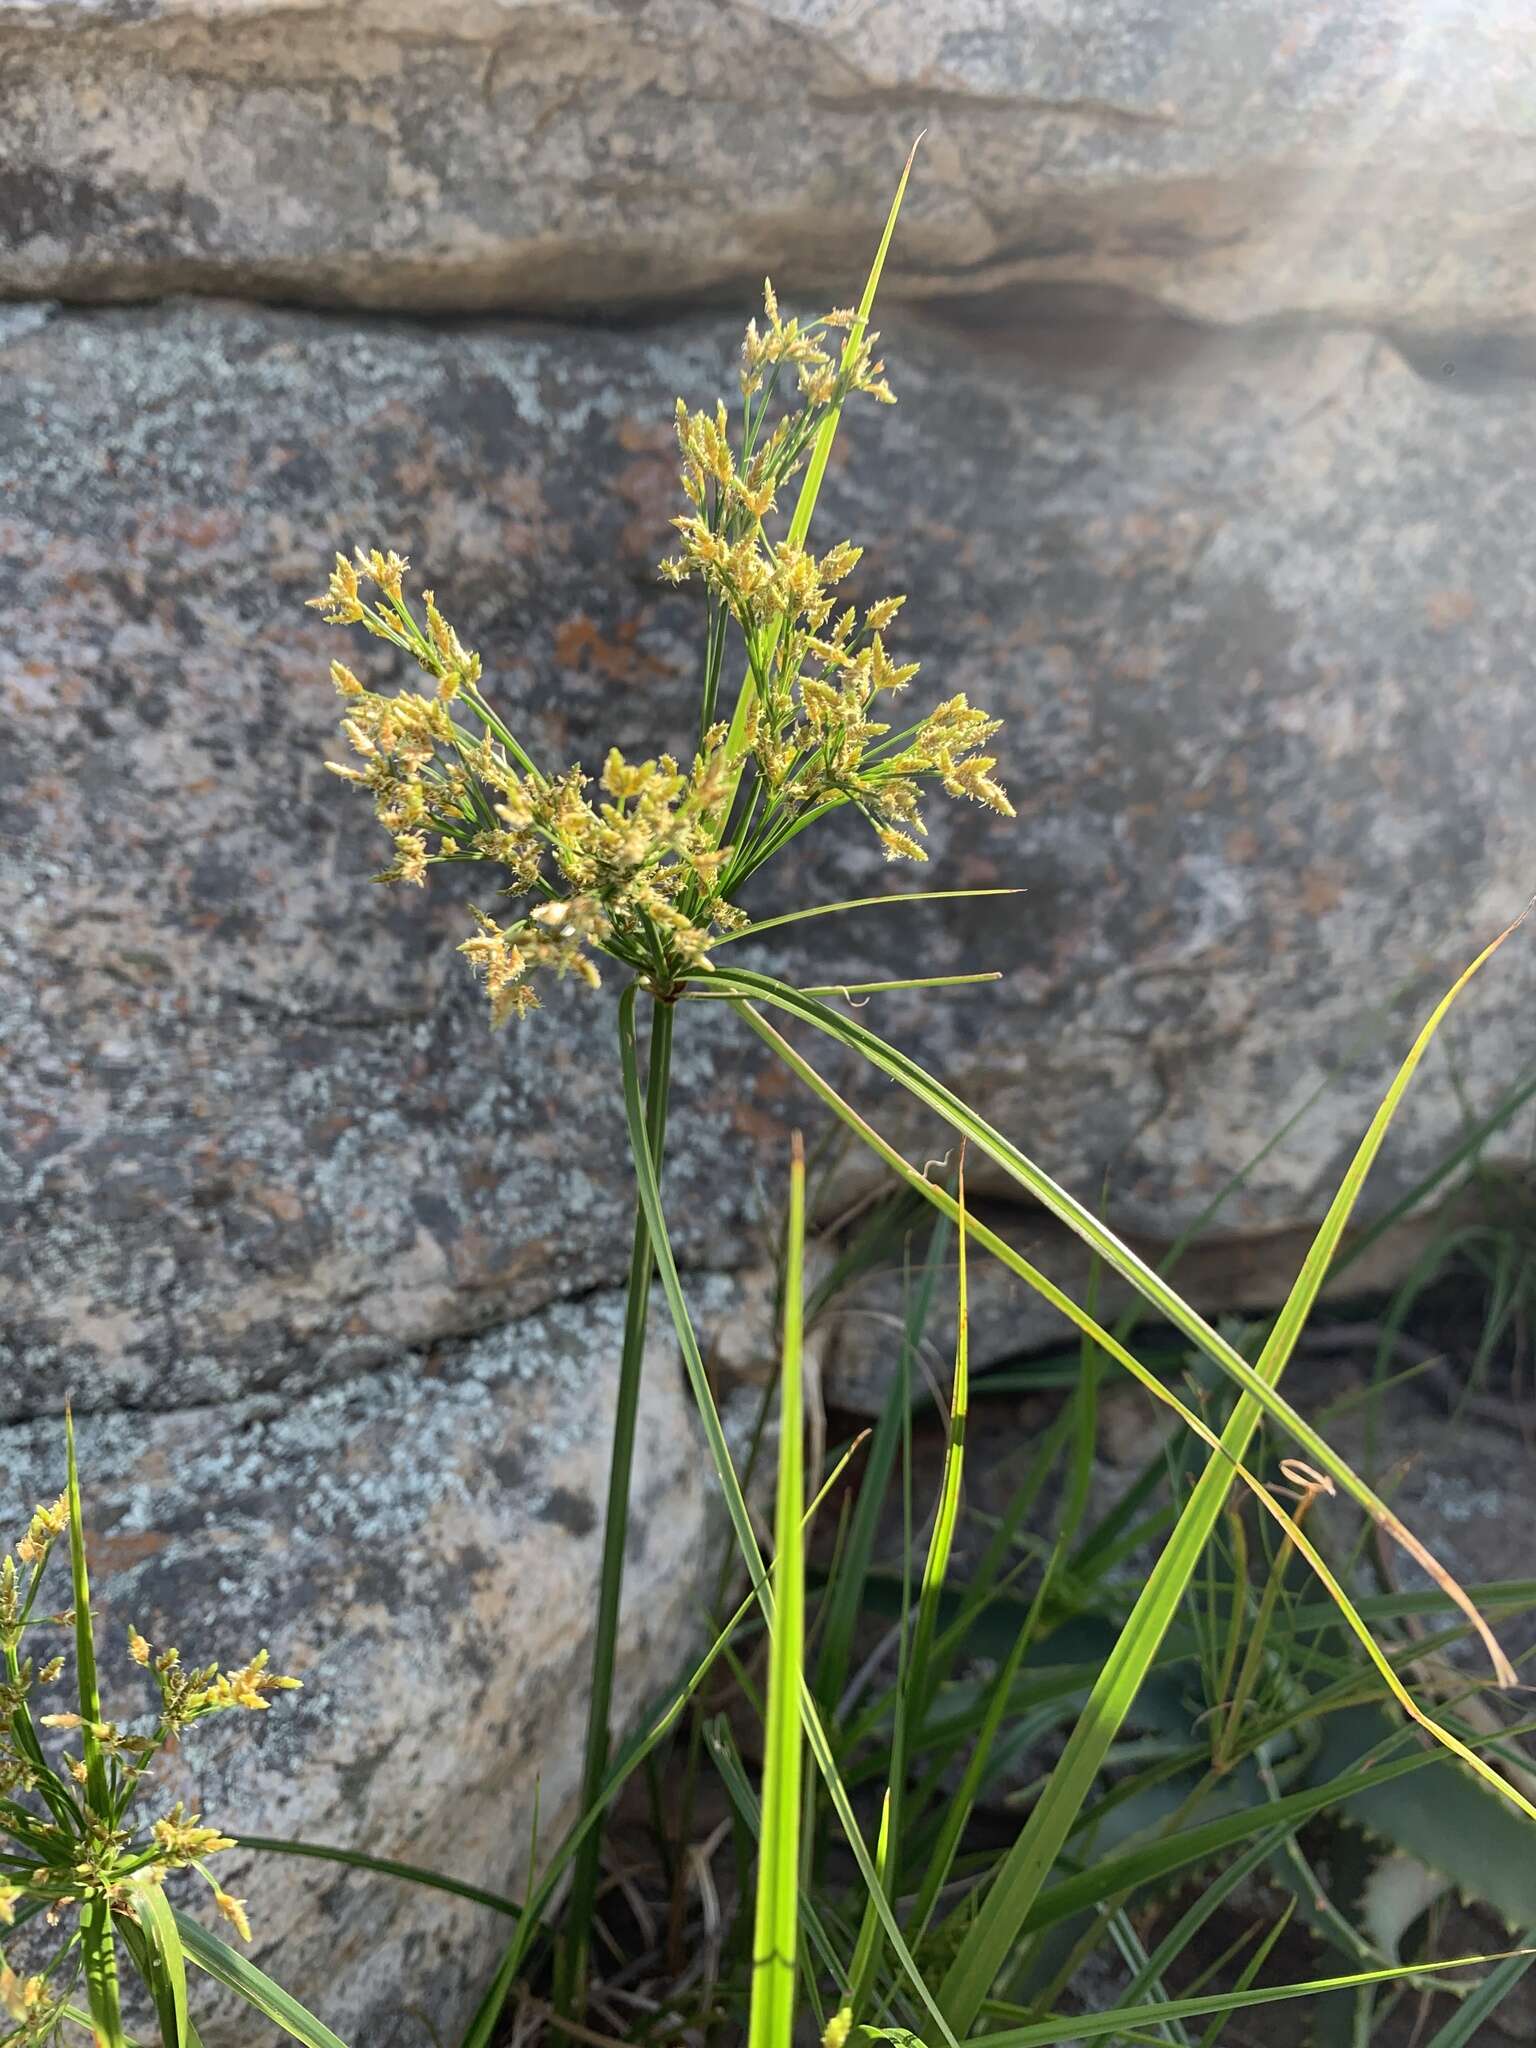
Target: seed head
point(234, 1912)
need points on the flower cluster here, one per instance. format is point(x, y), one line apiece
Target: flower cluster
point(812, 725)
point(633, 869)
point(68, 1830)
point(646, 868)
point(642, 870)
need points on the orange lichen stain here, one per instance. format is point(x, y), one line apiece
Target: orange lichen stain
point(1136, 665)
point(1318, 892)
point(579, 644)
point(1444, 609)
point(201, 530)
point(645, 437)
point(282, 1203)
point(117, 1553)
point(756, 1123)
point(1242, 845)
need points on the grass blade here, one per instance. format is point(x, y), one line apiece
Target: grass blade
point(1095, 2026)
point(1249, 1971)
point(775, 1944)
point(168, 1965)
point(1024, 1870)
point(384, 1866)
point(98, 1945)
point(941, 1542)
point(1156, 1860)
point(1210, 1900)
point(233, 1971)
point(1257, 1382)
point(1463, 2025)
point(768, 924)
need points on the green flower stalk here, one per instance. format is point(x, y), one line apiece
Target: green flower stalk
point(643, 865)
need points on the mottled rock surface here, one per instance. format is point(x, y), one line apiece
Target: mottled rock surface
point(1257, 613)
point(1348, 159)
point(332, 1267)
point(421, 1549)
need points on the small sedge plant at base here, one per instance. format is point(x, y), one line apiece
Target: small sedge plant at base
point(643, 872)
point(84, 1856)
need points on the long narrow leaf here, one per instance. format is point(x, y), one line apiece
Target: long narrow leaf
point(99, 1947)
point(383, 1866)
point(1094, 2026)
point(775, 1944)
point(748, 1809)
point(1024, 1870)
point(168, 1964)
point(768, 924)
point(941, 1542)
point(1156, 1860)
point(1463, 2025)
point(1152, 1615)
point(236, 1974)
point(1256, 1381)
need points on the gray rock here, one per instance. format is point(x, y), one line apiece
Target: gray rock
point(1258, 614)
point(262, 1138)
point(1357, 160)
point(422, 1551)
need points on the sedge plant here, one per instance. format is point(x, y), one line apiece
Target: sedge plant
point(641, 876)
point(86, 1861)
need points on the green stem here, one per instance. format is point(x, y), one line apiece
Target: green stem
point(584, 1879)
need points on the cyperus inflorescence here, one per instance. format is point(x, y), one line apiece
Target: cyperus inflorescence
point(645, 867)
point(75, 1848)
